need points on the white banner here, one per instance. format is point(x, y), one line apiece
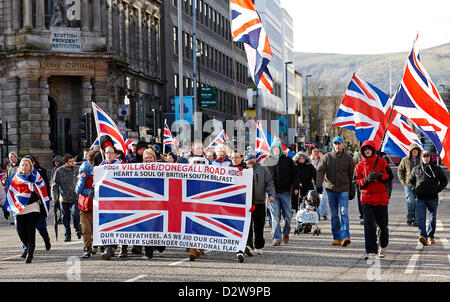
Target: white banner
point(163, 204)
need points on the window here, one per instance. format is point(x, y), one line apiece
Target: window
point(175, 40)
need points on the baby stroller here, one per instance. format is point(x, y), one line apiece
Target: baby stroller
point(307, 216)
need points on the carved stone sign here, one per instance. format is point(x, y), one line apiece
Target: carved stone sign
point(65, 39)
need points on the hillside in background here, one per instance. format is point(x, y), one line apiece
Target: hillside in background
point(337, 68)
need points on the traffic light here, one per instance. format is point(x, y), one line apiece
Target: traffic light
point(83, 126)
point(150, 123)
point(326, 139)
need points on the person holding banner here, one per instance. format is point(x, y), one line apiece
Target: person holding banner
point(196, 151)
point(262, 185)
point(222, 159)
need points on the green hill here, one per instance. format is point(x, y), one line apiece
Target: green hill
point(374, 68)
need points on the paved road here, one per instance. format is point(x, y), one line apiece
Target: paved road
point(304, 258)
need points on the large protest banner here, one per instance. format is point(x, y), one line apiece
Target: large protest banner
point(163, 204)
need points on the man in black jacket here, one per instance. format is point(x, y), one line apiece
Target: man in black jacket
point(426, 181)
point(282, 170)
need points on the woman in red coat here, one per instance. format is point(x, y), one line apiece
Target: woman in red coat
point(374, 198)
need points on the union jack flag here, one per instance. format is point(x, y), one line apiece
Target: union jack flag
point(20, 189)
point(220, 139)
point(168, 139)
point(365, 109)
point(106, 126)
point(247, 28)
point(264, 141)
point(172, 205)
point(419, 100)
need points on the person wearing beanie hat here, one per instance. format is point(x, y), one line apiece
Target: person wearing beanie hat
point(427, 180)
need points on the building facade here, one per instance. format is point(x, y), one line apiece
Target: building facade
point(58, 56)
point(221, 63)
point(278, 25)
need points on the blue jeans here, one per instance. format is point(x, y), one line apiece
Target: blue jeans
point(421, 211)
point(410, 204)
point(338, 202)
point(281, 206)
point(70, 209)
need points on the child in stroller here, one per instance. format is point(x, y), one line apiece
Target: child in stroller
point(307, 217)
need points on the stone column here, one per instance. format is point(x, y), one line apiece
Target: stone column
point(10, 109)
point(85, 15)
point(40, 15)
point(29, 115)
point(45, 153)
point(27, 13)
point(96, 12)
point(16, 15)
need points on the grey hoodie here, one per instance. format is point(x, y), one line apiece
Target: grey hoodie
point(407, 164)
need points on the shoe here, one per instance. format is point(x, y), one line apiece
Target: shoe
point(382, 252)
point(79, 235)
point(240, 257)
point(285, 239)
point(94, 250)
point(432, 241)
point(136, 250)
point(67, 240)
point(325, 218)
point(123, 253)
point(336, 242)
point(29, 259)
point(102, 249)
point(423, 240)
point(87, 252)
point(248, 251)
point(194, 254)
point(370, 256)
point(258, 251)
point(109, 252)
point(415, 224)
point(345, 242)
point(276, 243)
point(24, 254)
point(409, 222)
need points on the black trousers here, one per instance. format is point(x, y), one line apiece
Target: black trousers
point(257, 227)
point(26, 228)
point(375, 216)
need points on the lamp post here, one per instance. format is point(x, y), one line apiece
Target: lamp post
point(307, 110)
point(318, 114)
point(286, 85)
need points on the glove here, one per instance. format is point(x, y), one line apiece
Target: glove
point(319, 190)
point(372, 176)
point(252, 208)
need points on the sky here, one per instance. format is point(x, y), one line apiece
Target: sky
point(368, 26)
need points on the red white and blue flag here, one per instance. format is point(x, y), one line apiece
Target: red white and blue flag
point(419, 100)
point(168, 139)
point(106, 126)
point(365, 109)
point(246, 27)
point(171, 207)
point(220, 139)
point(20, 189)
point(263, 142)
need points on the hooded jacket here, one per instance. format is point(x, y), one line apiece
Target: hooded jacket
point(427, 180)
point(282, 170)
point(375, 192)
point(84, 186)
point(407, 164)
point(305, 172)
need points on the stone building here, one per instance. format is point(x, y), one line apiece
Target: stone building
point(56, 56)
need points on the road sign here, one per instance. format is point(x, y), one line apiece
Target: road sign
point(208, 97)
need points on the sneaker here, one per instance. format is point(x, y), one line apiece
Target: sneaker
point(24, 254)
point(248, 251)
point(276, 243)
point(423, 240)
point(145, 257)
point(136, 250)
point(258, 251)
point(415, 224)
point(325, 218)
point(432, 241)
point(123, 253)
point(87, 252)
point(94, 250)
point(409, 222)
point(345, 242)
point(240, 257)
point(79, 235)
point(67, 240)
point(382, 252)
point(336, 242)
point(285, 239)
point(370, 256)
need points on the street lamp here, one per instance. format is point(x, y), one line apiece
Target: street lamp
point(318, 113)
point(307, 111)
point(286, 85)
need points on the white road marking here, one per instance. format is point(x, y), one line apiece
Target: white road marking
point(136, 278)
point(179, 262)
point(445, 243)
point(412, 264)
point(439, 226)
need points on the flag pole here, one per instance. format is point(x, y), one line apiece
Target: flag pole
point(98, 130)
point(164, 145)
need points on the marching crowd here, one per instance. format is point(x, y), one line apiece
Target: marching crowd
point(281, 187)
